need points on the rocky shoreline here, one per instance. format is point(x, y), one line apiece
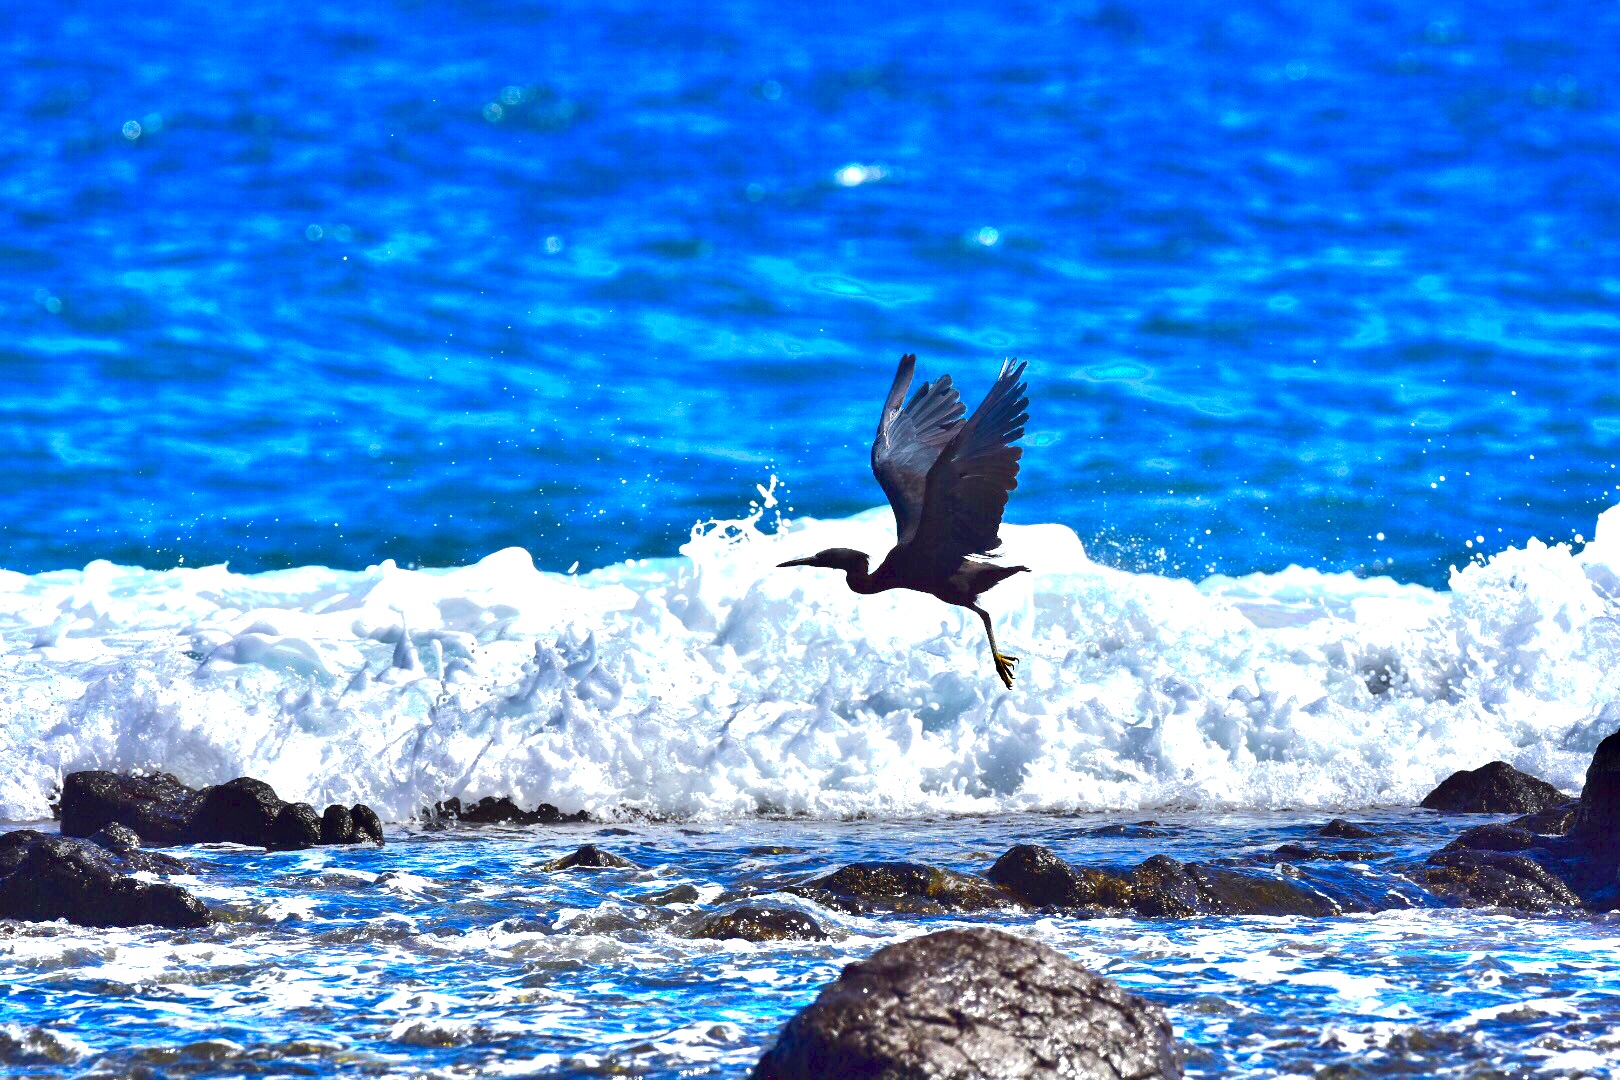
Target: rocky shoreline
point(1560, 854)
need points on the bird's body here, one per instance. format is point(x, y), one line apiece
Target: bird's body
point(947, 479)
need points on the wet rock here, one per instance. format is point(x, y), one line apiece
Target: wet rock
point(679, 894)
point(337, 826)
point(367, 825)
point(295, 827)
point(1038, 877)
point(1147, 829)
point(503, 811)
point(761, 924)
point(162, 810)
point(590, 857)
point(45, 877)
point(1470, 878)
point(1597, 817)
point(1345, 830)
point(972, 1004)
point(1497, 788)
point(1553, 821)
point(911, 888)
point(1493, 838)
point(123, 842)
point(1229, 892)
point(157, 806)
point(1292, 852)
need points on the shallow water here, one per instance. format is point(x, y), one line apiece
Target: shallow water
point(1331, 284)
point(451, 953)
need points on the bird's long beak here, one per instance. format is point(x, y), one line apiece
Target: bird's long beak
point(797, 562)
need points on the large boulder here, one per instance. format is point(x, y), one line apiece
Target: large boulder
point(1597, 817)
point(971, 1005)
point(162, 810)
point(760, 924)
point(44, 877)
point(1037, 876)
point(1466, 877)
point(905, 887)
point(1496, 788)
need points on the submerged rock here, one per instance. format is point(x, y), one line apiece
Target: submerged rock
point(1496, 788)
point(1464, 877)
point(590, 857)
point(161, 810)
point(1292, 852)
point(503, 811)
point(44, 877)
point(910, 888)
point(970, 1005)
point(1160, 886)
point(760, 924)
point(1345, 830)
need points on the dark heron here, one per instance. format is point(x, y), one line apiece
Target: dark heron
point(947, 479)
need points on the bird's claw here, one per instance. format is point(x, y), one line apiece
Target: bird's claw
point(1004, 668)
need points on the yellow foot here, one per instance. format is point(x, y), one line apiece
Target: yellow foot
point(1004, 667)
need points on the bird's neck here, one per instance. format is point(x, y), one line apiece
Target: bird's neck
point(863, 582)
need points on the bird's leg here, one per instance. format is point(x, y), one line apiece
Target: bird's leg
point(1004, 662)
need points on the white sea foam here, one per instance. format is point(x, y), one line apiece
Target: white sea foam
point(715, 684)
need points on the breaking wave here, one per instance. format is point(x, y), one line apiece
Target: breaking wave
point(713, 684)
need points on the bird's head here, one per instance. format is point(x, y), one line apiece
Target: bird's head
point(833, 559)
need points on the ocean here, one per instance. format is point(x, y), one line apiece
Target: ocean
point(405, 402)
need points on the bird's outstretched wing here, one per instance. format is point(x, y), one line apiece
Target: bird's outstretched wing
point(967, 488)
point(910, 439)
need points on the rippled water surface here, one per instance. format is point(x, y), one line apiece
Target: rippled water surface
point(1332, 284)
point(454, 953)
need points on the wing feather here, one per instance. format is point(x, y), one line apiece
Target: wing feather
point(967, 487)
point(909, 440)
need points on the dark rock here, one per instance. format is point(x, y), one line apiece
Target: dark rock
point(969, 1005)
point(1345, 830)
point(296, 827)
point(761, 924)
point(1553, 821)
point(1597, 818)
point(911, 888)
point(1493, 838)
point(337, 826)
point(590, 857)
point(162, 810)
point(240, 811)
point(1162, 886)
point(157, 806)
point(1229, 892)
point(503, 811)
point(1037, 876)
point(1497, 788)
point(1292, 852)
point(116, 838)
point(367, 825)
point(679, 894)
point(122, 841)
point(1469, 878)
point(46, 877)
point(1140, 829)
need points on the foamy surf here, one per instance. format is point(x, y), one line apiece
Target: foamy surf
point(715, 685)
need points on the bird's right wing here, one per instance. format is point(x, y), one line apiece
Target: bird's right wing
point(968, 485)
point(909, 440)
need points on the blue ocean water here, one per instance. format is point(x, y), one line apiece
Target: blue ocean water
point(1332, 284)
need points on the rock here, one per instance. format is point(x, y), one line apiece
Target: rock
point(367, 825)
point(295, 827)
point(1140, 829)
point(1292, 852)
point(1497, 788)
point(337, 826)
point(969, 1005)
point(1228, 892)
point(1469, 878)
point(157, 806)
point(162, 810)
point(1493, 838)
point(45, 877)
point(761, 924)
point(1162, 886)
point(679, 894)
point(1038, 877)
point(503, 811)
point(123, 842)
point(1345, 830)
point(1553, 821)
point(1597, 818)
point(911, 888)
point(590, 857)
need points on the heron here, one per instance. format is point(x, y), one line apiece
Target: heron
point(947, 480)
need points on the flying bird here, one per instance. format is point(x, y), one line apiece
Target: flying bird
point(948, 480)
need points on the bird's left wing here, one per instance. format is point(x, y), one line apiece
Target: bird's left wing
point(910, 438)
point(968, 485)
